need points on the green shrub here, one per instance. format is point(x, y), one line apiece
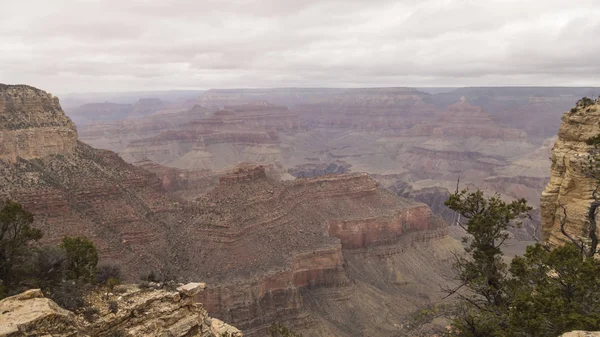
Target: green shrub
point(82, 258)
point(16, 235)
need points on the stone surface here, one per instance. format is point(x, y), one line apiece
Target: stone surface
point(568, 185)
point(31, 314)
point(581, 334)
point(32, 125)
point(141, 313)
point(220, 328)
point(191, 289)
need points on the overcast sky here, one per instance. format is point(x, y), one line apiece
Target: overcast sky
point(123, 45)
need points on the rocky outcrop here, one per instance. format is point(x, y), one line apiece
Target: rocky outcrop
point(32, 125)
point(77, 190)
point(284, 241)
point(139, 312)
point(31, 314)
point(569, 186)
point(581, 334)
point(180, 183)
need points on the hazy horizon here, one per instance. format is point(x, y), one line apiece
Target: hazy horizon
point(422, 88)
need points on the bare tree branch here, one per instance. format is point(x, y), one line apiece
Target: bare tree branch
point(592, 228)
point(563, 230)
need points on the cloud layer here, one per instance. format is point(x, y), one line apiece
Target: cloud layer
point(119, 45)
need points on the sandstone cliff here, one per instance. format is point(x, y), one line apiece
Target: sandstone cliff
point(141, 313)
point(74, 189)
point(568, 185)
point(32, 125)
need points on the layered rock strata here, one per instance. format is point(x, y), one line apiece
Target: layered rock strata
point(287, 251)
point(570, 186)
point(32, 125)
point(331, 225)
point(230, 136)
point(147, 313)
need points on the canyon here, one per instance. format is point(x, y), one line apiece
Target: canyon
point(494, 139)
point(309, 253)
point(263, 194)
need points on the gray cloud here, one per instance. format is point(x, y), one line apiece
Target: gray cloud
point(113, 45)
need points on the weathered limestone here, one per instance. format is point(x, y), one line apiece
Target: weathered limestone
point(568, 186)
point(581, 334)
point(33, 125)
point(141, 313)
point(191, 289)
point(30, 313)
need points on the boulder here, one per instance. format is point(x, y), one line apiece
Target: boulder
point(191, 289)
point(581, 334)
point(220, 328)
point(30, 313)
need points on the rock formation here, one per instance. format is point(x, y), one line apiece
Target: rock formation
point(32, 125)
point(181, 183)
point(317, 254)
point(74, 189)
point(317, 244)
point(581, 334)
point(151, 312)
point(30, 313)
point(426, 138)
point(569, 186)
point(230, 136)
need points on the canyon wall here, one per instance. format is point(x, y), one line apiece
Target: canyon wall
point(304, 253)
point(427, 138)
point(570, 186)
point(269, 249)
point(32, 125)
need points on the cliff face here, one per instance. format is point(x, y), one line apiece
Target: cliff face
point(232, 135)
point(313, 252)
point(32, 124)
point(74, 189)
point(568, 185)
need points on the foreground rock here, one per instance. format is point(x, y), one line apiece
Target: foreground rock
point(30, 313)
point(569, 186)
point(139, 313)
point(581, 334)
